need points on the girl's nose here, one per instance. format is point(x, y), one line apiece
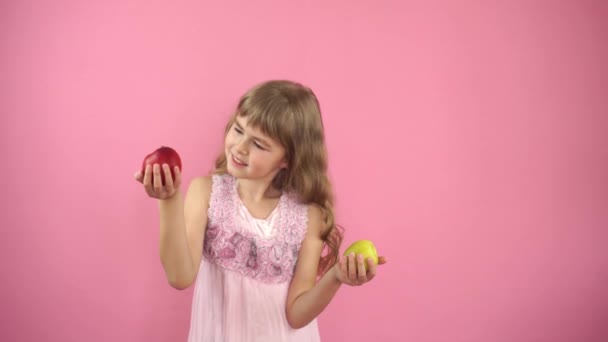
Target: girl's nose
point(241, 147)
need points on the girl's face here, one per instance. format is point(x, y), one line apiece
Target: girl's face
point(251, 154)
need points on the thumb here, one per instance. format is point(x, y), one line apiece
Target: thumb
point(138, 176)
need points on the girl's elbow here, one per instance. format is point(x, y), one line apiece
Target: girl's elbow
point(180, 284)
point(295, 322)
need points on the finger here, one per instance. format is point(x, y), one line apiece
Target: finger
point(352, 268)
point(382, 260)
point(157, 181)
point(371, 269)
point(147, 181)
point(147, 175)
point(361, 273)
point(168, 178)
point(178, 177)
point(343, 269)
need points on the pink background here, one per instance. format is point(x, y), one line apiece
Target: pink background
point(468, 140)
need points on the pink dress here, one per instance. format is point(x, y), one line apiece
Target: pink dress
point(247, 265)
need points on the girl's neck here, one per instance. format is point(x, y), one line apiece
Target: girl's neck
point(256, 191)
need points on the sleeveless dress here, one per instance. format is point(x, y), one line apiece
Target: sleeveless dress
point(244, 275)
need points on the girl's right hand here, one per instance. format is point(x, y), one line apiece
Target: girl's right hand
point(152, 182)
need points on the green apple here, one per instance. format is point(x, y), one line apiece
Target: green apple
point(365, 248)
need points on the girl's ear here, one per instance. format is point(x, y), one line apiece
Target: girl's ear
point(283, 164)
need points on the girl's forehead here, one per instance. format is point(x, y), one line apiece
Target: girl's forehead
point(242, 120)
point(255, 130)
point(244, 123)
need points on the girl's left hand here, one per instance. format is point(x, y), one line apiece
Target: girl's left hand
point(351, 269)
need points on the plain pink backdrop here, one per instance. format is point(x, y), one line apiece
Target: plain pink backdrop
point(467, 139)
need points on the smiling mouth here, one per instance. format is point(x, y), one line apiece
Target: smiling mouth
point(237, 161)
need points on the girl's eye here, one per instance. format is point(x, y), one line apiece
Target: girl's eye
point(238, 130)
point(258, 145)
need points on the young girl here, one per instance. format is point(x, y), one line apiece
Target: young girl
point(252, 234)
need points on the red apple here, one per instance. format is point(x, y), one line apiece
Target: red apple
point(163, 155)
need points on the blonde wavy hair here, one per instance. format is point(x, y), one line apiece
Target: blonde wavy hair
point(290, 113)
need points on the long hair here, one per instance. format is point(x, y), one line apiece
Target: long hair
point(290, 113)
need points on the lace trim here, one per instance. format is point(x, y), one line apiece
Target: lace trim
point(226, 244)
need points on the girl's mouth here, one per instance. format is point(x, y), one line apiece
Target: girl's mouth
point(237, 161)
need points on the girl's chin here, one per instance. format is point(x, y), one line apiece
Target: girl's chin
point(234, 173)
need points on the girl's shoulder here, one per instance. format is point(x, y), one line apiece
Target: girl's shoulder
point(200, 188)
point(202, 182)
point(311, 215)
point(316, 220)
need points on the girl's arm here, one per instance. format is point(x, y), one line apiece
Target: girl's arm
point(307, 298)
point(182, 232)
